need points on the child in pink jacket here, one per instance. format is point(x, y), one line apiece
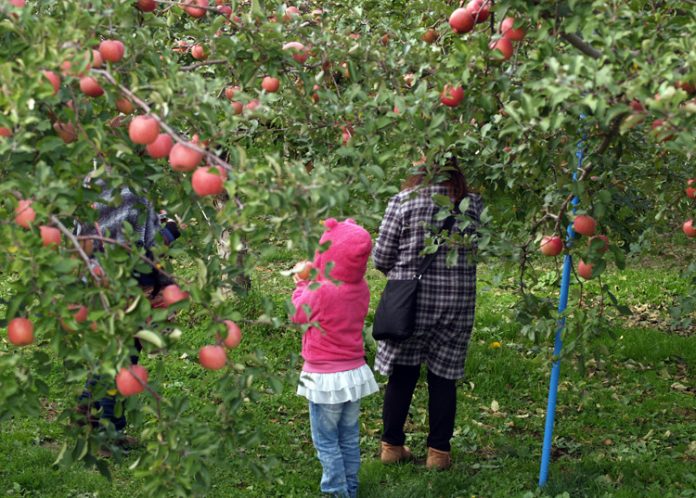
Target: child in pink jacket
point(335, 376)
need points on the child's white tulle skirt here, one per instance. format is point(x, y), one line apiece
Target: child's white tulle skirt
point(338, 387)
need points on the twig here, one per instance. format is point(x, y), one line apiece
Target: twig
point(196, 65)
point(608, 138)
point(144, 106)
point(190, 5)
point(83, 255)
point(581, 45)
point(125, 246)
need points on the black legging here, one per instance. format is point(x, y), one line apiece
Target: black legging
point(442, 405)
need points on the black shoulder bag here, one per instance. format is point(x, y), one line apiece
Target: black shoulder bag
point(395, 318)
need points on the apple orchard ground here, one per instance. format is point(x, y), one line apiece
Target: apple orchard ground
point(626, 427)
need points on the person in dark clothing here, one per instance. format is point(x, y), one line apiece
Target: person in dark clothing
point(145, 224)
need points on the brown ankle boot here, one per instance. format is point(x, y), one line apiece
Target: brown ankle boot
point(394, 454)
point(437, 459)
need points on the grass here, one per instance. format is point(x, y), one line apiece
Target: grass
point(624, 428)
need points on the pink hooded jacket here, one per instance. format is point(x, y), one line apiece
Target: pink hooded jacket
point(339, 309)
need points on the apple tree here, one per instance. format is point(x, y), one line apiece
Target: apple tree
point(250, 121)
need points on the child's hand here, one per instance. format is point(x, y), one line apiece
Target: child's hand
point(301, 271)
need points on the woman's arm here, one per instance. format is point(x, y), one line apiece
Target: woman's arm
point(386, 250)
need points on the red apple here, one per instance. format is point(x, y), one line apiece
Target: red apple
point(90, 87)
point(303, 270)
point(208, 180)
point(479, 10)
point(502, 45)
point(225, 10)
point(605, 242)
point(270, 84)
point(508, 30)
point(430, 36)
point(182, 157)
point(584, 225)
point(96, 60)
point(5, 132)
point(231, 91)
point(234, 335)
point(161, 147)
point(173, 294)
point(24, 213)
point(690, 191)
point(551, 245)
point(452, 96)
point(66, 131)
point(129, 384)
point(112, 50)
point(686, 86)
point(198, 52)
point(238, 107)
point(252, 105)
point(50, 236)
point(659, 126)
point(637, 106)
point(54, 79)
point(192, 7)
point(315, 95)
point(212, 357)
point(18, 3)
point(124, 105)
point(461, 21)
point(689, 229)
point(143, 130)
point(20, 332)
point(585, 270)
point(147, 5)
point(81, 312)
point(346, 134)
point(298, 50)
point(290, 12)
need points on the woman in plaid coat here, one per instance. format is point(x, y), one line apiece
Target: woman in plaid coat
point(444, 316)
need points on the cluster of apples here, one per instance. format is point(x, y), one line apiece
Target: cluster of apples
point(688, 226)
point(463, 20)
point(552, 245)
point(133, 380)
point(25, 215)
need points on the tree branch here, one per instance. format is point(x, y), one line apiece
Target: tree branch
point(581, 45)
point(196, 65)
point(83, 255)
point(125, 246)
point(608, 138)
point(144, 106)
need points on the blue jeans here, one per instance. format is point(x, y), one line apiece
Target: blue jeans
point(336, 436)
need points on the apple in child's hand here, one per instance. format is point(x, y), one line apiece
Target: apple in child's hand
point(173, 294)
point(303, 269)
point(131, 381)
point(212, 357)
point(234, 335)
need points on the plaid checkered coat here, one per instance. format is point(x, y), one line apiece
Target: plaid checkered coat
point(446, 296)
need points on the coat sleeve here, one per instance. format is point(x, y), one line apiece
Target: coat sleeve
point(302, 296)
point(386, 250)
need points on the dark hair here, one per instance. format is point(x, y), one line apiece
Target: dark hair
point(450, 175)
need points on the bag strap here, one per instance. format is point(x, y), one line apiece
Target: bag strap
point(428, 260)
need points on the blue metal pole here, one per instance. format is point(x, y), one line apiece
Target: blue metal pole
point(558, 341)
